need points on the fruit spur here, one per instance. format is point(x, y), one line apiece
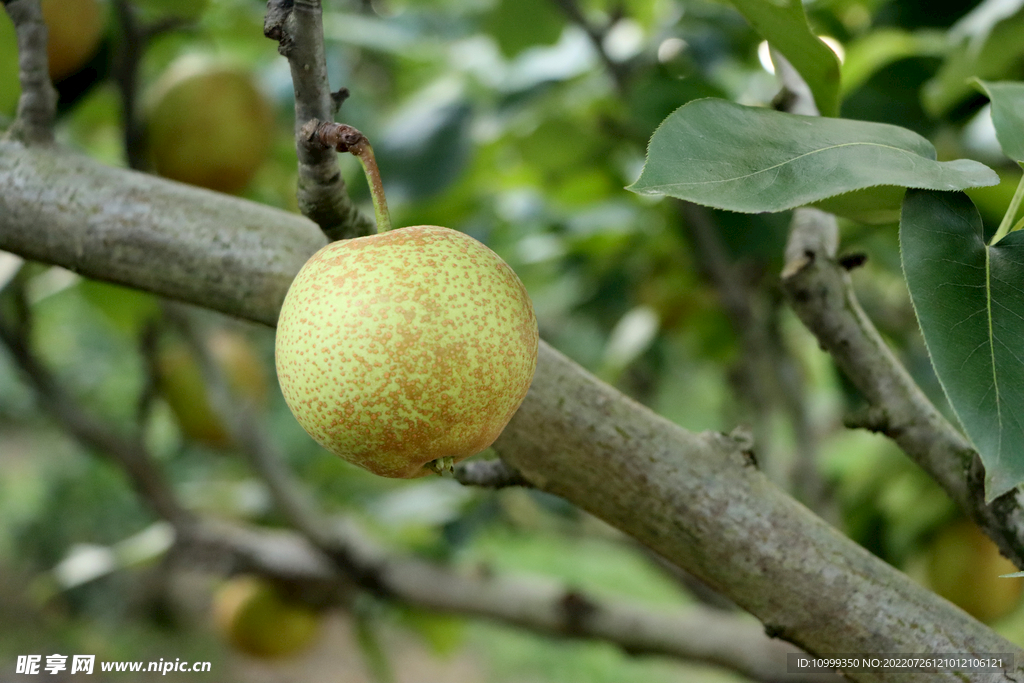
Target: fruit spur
point(406, 351)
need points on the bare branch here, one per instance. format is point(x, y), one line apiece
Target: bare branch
point(731, 641)
point(297, 26)
point(129, 452)
point(37, 106)
point(821, 293)
point(618, 71)
point(134, 38)
point(767, 372)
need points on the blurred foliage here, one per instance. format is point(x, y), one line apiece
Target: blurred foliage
point(497, 118)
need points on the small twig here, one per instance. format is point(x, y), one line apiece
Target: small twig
point(129, 452)
point(769, 375)
point(37, 106)
point(297, 26)
point(618, 71)
point(267, 460)
point(135, 37)
point(494, 474)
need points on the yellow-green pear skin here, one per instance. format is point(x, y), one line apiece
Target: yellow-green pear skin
point(400, 348)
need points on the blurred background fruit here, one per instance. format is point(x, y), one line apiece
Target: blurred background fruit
point(964, 566)
point(255, 618)
point(209, 125)
point(183, 386)
point(75, 29)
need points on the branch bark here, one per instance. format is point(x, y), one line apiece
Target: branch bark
point(37, 106)
point(693, 498)
point(821, 293)
point(297, 26)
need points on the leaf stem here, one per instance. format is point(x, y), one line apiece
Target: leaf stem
point(1011, 213)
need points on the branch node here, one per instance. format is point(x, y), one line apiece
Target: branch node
point(577, 609)
point(873, 418)
point(494, 474)
point(274, 25)
point(338, 98)
point(853, 260)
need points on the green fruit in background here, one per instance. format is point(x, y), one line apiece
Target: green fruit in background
point(182, 384)
point(208, 125)
point(75, 28)
point(964, 566)
point(406, 347)
point(256, 619)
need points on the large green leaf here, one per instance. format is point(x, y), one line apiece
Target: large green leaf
point(784, 25)
point(969, 299)
point(750, 159)
point(1008, 116)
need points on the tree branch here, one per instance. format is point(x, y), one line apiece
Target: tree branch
point(297, 26)
point(769, 376)
point(821, 293)
point(618, 71)
point(37, 106)
point(693, 498)
point(129, 452)
point(695, 634)
point(494, 474)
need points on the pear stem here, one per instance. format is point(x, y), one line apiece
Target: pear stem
point(345, 138)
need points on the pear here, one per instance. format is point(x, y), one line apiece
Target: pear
point(406, 351)
point(255, 618)
point(208, 124)
point(74, 29)
point(402, 348)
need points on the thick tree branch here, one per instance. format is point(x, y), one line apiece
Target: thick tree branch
point(297, 26)
point(37, 106)
point(693, 498)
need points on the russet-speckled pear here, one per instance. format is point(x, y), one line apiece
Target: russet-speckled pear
point(406, 347)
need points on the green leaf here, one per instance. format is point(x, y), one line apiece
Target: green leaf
point(996, 55)
point(784, 25)
point(878, 49)
point(750, 159)
point(970, 306)
point(1008, 116)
